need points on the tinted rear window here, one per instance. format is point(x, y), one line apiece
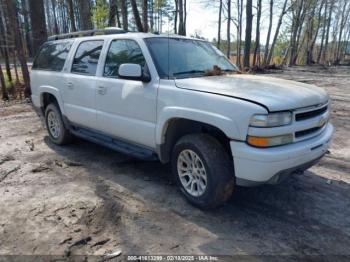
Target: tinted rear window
point(86, 58)
point(52, 56)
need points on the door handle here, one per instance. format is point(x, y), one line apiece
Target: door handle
point(102, 90)
point(70, 85)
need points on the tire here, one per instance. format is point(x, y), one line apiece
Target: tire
point(216, 186)
point(58, 133)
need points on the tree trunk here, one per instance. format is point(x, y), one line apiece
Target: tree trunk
point(63, 18)
point(333, 44)
point(19, 18)
point(316, 33)
point(158, 20)
point(124, 10)
point(299, 44)
point(152, 16)
point(3, 86)
point(118, 17)
point(228, 29)
point(4, 35)
point(248, 33)
point(113, 13)
point(14, 61)
point(257, 36)
point(85, 14)
point(328, 29)
point(239, 29)
point(219, 25)
point(7, 64)
point(176, 15)
point(276, 33)
point(38, 23)
point(309, 32)
point(296, 29)
point(182, 29)
point(323, 32)
point(344, 17)
point(145, 15)
point(137, 17)
point(11, 11)
point(267, 45)
point(71, 15)
point(181, 17)
point(53, 3)
point(185, 16)
point(26, 27)
point(47, 15)
point(346, 42)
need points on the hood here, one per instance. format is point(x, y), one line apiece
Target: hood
point(274, 93)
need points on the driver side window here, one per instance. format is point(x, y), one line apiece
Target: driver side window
point(123, 51)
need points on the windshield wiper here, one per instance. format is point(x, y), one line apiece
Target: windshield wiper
point(189, 72)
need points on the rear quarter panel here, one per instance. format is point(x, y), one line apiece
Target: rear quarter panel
point(46, 82)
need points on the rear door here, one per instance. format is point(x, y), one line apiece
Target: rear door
point(79, 90)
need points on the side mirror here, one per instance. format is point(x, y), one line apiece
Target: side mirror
point(132, 72)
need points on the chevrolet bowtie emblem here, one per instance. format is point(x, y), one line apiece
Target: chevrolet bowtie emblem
point(322, 121)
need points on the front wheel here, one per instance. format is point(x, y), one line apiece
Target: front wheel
point(203, 170)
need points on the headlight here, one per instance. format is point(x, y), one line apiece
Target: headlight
point(260, 141)
point(271, 120)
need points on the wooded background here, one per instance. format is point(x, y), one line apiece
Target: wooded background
point(299, 31)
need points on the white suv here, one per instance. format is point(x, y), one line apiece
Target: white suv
point(180, 100)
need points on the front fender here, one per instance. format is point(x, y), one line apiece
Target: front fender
point(225, 124)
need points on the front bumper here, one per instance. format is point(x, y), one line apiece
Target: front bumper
point(268, 165)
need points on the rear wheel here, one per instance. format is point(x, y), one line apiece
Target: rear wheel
point(57, 131)
point(203, 170)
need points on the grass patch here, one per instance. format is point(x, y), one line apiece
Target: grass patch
point(7, 81)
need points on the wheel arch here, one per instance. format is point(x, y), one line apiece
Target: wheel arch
point(49, 95)
point(177, 127)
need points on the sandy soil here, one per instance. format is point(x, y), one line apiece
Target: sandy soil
point(88, 200)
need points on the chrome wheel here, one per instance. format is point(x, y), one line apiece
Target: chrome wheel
point(192, 173)
point(53, 124)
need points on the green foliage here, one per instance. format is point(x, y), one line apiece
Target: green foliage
point(166, 6)
point(7, 81)
point(158, 4)
point(100, 14)
point(282, 43)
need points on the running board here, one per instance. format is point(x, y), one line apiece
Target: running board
point(115, 144)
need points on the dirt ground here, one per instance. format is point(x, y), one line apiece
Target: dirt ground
point(84, 199)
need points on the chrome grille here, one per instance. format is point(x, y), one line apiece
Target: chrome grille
point(307, 131)
point(310, 114)
point(314, 120)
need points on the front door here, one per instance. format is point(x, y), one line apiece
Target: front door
point(126, 109)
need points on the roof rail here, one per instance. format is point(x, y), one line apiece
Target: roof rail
point(106, 31)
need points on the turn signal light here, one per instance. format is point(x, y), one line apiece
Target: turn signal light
point(260, 141)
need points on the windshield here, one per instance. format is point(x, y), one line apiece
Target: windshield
point(182, 58)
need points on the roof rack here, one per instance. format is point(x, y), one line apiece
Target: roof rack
point(106, 31)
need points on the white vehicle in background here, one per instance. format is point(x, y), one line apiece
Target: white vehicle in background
point(179, 100)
